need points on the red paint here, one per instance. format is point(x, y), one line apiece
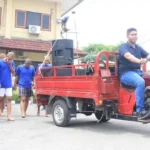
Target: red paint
point(126, 101)
point(102, 85)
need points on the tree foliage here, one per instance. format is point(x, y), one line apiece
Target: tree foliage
point(93, 49)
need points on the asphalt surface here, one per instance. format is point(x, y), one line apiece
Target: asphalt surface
point(84, 133)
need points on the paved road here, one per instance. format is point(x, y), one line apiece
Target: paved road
point(39, 133)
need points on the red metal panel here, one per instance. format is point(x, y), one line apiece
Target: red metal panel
point(100, 86)
point(126, 102)
point(81, 86)
point(66, 86)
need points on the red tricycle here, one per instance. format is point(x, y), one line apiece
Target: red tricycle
point(87, 89)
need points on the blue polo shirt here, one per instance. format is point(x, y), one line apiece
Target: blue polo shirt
point(124, 64)
point(5, 74)
point(25, 75)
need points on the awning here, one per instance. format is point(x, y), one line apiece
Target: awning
point(67, 5)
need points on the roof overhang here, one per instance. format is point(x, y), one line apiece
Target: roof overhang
point(68, 5)
point(32, 45)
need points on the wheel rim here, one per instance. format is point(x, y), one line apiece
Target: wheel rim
point(59, 114)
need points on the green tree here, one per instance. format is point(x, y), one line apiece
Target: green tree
point(93, 49)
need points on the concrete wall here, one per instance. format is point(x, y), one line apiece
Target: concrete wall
point(35, 56)
point(3, 17)
point(8, 28)
point(32, 55)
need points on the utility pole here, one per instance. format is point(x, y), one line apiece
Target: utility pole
point(76, 34)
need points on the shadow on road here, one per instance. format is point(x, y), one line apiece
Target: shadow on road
point(3, 121)
point(111, 127)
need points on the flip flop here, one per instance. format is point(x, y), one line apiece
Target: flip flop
point(10, 120)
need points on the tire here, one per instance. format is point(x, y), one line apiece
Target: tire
point(88, 113)
point(61, 113)
point(98, 115)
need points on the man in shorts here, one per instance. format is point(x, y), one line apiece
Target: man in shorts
point(2, 56)
point(7, 68)
point(24, 76)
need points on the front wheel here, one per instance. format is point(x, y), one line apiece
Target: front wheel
point(99, 116)
point(61, 113)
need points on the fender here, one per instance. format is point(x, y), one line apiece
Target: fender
point(53, 98)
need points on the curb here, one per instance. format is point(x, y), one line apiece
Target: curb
point(18, 102)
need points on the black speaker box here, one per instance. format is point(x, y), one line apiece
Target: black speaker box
point(62, 52)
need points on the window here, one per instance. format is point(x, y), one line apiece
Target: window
point(0, 14)
point(33, 18)
point(20, 19)
point(21, 53)
point(45, 22)
point(26, 18)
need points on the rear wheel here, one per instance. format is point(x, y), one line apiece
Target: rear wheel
point(61, 113)
point(99, 116)
point(88, 113)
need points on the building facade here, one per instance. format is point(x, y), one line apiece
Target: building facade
point(28, 26)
